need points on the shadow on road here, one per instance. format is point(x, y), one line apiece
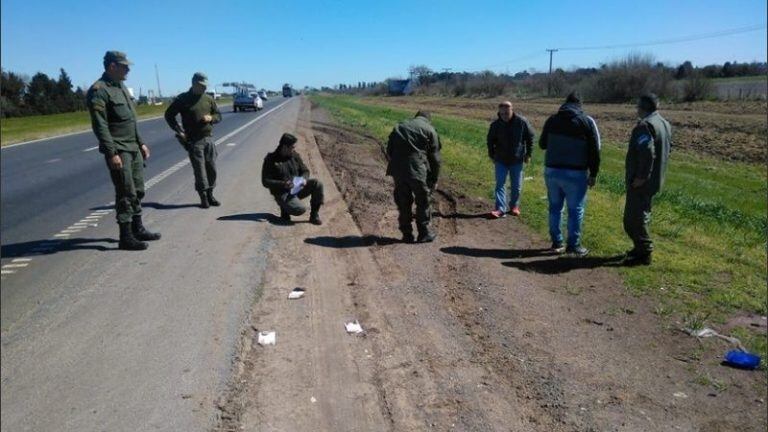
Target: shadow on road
point(351, 241)
point(49, 247)
point(496, 253)
point(154, 205)
point(566, 264)
point(461, 215)
point(254, 217)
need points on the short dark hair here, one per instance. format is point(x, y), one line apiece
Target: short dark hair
point(573, 97)
point(648, 102)
point(426, 114)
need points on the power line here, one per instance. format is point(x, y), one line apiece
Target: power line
point(671, 40)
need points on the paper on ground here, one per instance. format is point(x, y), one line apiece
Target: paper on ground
point(296, 293)
point(353, 327)
point(298, 183)
point(267, 338)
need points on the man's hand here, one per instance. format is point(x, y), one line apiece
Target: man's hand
point(591, 182)
point(144, 151)
point(288, 184)
point(637, 182)
point(115, 163)
point(207, 118)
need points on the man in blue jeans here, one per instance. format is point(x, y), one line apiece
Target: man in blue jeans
point(510, 143)
point(572, 161)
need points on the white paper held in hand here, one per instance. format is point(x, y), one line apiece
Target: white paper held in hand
point(298, 184)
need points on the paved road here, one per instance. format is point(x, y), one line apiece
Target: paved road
point(94, 338)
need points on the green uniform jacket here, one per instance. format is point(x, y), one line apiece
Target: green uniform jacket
point(648, 152)
point(414, 151)
point(277, 169)
point(113, 117)
point(192, 108)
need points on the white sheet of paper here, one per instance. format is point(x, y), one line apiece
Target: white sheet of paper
point(298, 183)
point(267, 338)
point(353, 327)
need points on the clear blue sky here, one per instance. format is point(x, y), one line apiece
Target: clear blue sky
point(328, 42)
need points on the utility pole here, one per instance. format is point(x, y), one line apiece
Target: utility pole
point(160, 93)
point(549, 77)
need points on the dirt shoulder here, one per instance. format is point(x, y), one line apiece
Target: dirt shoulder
point(732, 130)
point(479, 331)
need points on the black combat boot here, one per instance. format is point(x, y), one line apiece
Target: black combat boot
point(408, 237)
point(141, 233)
point(426, 236)
point(314, 216)
point(285, 218)
point(211, 200)
point(127, 240)
point(203, 199)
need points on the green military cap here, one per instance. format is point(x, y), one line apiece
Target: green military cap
point(288, 139)
point(200, 78)
point(116, 57)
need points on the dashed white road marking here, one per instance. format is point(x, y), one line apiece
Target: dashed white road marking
point(19, 265)
point(53, 160)
point(20, 260)
point(91, 149)
point(231, 144)
point(61, 235)
point(7, 271)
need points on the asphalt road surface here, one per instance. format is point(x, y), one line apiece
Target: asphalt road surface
point(94, 338)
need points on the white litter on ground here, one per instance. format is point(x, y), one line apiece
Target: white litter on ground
point(680, 395)
point(353, 327)
point(296, 293)
point(267, 338)
point(708, 332)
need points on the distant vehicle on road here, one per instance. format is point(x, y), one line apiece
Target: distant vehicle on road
point(247, 100)
point(263, 95)
point(214, 94)
point(287, 90)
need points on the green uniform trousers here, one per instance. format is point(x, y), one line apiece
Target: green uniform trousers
point(292, 205)
point(129, 185)
point(406, 192)
point(202, 155)
point(637, 219)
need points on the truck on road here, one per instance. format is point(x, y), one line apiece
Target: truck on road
point(287, 90)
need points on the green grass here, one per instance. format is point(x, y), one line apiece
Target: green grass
point(742, 79)
point(19, 129)
point(709, 225)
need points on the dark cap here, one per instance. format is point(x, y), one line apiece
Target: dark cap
point(426, 114)
point(116, 57)
point(288, 139)
point(200, 78)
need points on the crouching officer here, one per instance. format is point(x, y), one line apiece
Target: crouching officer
point(646, 167)
point(287, 178)
point(413, 150)
point(113, 118)
point(198, 115)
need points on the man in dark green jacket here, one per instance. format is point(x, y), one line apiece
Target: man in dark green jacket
point(646, 166)
point(413, 150)
point(198, 115)
point(287, 179)
point(113, 118)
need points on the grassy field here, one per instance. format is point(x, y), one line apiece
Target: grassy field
point(709, 224)
point(20, 129)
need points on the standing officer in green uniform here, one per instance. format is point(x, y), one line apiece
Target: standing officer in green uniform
point(198, 113)
point(413, 150)
point(646, 167)
point(113, 118)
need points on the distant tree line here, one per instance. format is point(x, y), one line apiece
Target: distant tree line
point(618, 81)
point(21, 96)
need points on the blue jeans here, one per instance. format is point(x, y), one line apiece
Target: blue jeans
point(515, 173)
point(564, 185)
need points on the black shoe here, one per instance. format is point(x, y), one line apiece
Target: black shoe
point(557, 248)
point(314, 219)
point(408, 238)
point(141, 233)
point(127, 240)
point(285, 219)
point(637, 260)
point(579, 251)
point(426, 237)
point(203, 200)
point(211, 200)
